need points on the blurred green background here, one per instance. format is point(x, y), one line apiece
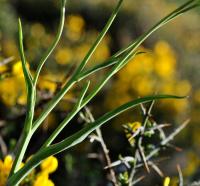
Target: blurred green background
point(170, 65)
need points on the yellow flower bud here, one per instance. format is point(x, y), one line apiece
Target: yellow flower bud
point(49, 165)
point(43, 180)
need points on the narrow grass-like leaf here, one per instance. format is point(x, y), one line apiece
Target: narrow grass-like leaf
point(98, 67)
point(54, 44)
point(82, 95)
point(179, 11)
point(27, 74)
point(110, 62)
point(99, 38)
point(79, 136)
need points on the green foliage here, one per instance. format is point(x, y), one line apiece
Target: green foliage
point(116, 63)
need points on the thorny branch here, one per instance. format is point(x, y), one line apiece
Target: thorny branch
point(139, 152)
point(89, 118)
point(140, 159)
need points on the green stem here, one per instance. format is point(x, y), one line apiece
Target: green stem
point(50, 106)
point(26, 133)
point(24, 141)
point(75, 110)
point(31, 91)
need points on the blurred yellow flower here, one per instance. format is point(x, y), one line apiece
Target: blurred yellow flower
point(75, 23)
point(46, 84)
point(37, 30)
point(165, 60)
point(144, 86)
point(63, 56)
point(149, 73)
point(3, 69)
point(183, 87)
point(49, 165)
point(166, 181)
point(75, 26)
point(164, 69)
point(10, 48)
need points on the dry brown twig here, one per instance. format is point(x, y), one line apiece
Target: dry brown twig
point(99, 138)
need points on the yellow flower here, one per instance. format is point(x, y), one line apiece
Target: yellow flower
point(43, 180)
point(131, 129)
point(166, 181)
point(7, 163)
point(13, 90)
point(49, 165)
point(135, 126)
point(5, 167)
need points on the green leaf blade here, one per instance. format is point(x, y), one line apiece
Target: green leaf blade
point(79, 136)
